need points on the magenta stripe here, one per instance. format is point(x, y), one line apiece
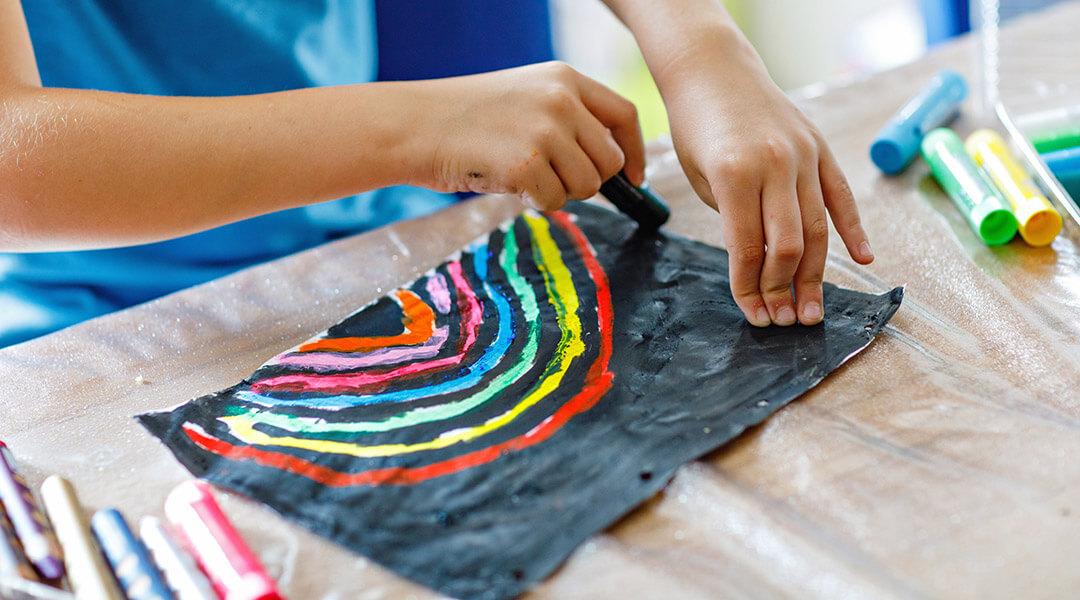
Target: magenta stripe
point(471, 315)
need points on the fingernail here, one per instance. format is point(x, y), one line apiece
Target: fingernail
point(811, 313)
point(785, 316)
point(763, 319)
point(865, 251)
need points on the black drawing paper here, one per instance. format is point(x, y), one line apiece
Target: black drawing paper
point(473, 427)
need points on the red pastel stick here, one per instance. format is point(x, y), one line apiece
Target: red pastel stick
point(233, 569)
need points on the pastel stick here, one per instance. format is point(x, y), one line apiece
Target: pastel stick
point(31, 527)
point(128, 557)
point(181, 573)
point(88, 573)
point(12, 560)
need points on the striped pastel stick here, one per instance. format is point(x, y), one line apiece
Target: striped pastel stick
point(30, 525)
point(12, 559)
point(182, 575)
point(128, 557)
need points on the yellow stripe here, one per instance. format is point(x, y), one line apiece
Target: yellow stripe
point(561, 294)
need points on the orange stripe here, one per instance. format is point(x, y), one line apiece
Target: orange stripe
point(418, 319)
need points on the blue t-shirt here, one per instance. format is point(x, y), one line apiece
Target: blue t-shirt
point(231, 47)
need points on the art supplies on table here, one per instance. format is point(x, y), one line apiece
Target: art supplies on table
point(87, 571)
point(1037, 220)
point(988, 213)
point(31, 528)
point(936, 105)
point(234, 571)
point(128, 557)
point(105, 560)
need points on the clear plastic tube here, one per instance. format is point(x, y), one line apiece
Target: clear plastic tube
point(986, 19)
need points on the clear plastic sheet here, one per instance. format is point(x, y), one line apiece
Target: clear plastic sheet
point(940, 462)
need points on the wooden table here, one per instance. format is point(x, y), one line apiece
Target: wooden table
point(939, 463)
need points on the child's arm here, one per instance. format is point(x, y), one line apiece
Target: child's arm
point(750, 154)
point(83, 169)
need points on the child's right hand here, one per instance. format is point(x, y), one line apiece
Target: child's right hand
point(543, 132)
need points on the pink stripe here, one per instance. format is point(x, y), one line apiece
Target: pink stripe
point(440, 295)
point(383, 356)
point(471, 316)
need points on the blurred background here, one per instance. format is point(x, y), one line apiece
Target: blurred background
point(802, 43)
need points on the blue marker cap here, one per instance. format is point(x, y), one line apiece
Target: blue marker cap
point(937, 104)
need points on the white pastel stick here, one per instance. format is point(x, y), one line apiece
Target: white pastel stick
point(87, 571)
point(181, 573)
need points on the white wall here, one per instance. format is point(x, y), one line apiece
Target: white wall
point(801, 41)
point(805, 42)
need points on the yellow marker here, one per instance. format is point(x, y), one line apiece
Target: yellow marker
point(1038, 222)
point(87, 572)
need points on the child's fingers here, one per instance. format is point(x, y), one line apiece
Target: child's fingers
point(598, 142)
point(745, 245)
point(577, 172)
point(541, 188)
point(784, 244)
point(620, 116)
point(840, 203)
point(815, 231)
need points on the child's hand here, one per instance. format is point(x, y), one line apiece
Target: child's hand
point(543, 132)
point(755, 158)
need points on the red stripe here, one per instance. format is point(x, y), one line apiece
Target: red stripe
point(597, 382)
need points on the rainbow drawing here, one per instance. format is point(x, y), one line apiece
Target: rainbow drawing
point(430, 393)
point(469, 429)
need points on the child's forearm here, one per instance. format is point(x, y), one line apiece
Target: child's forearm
point(85, 169)
point(675, 37)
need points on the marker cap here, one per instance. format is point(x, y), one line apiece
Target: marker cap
point(898, 142)
point(989, 214)
point(1038, 222)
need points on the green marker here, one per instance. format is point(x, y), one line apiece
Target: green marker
point(1056, 139)
point(1053, 129)
point(985, 209)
